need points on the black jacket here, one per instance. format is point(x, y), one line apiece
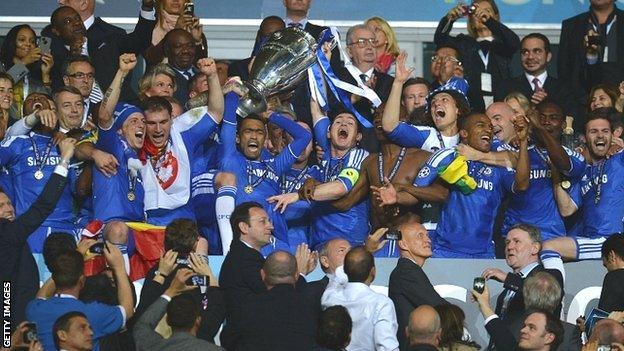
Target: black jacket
point(612, 295)
point(17, 265)
point(409, 288)
point(505, 335)
point(278, 319)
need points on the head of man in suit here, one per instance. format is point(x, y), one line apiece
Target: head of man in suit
point(69, 106)
point(72, 332)
point(414, 242)
point(535, 53)
point(551, 118)
point(7, 211)
point(279, 268)
point(179, 49)
point(183, 314)
point(612, 252)
point(297, 10)
point(157, 111)
point(334, 328)
point(78, 72)
point(424, 326)
point(359, 266)
point(541, 331)
point(541, 291)
point(361, 47)
point(522, 246)
point(502, 116)
point(606, 332)
point(332, 254)
point(602, 5)
point(85, 8)
point(67, 25)
point(251, 224)
point(445, 63)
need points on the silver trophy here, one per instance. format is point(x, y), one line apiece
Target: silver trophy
point(279, 66)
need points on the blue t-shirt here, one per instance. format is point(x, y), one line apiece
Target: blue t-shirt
point(537, 203)
point(103, 319)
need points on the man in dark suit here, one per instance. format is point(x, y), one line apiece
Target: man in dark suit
point(280, 318)
point(409, 287)
point(535, 83)
point(522, 248)
point(180, 49)
point(586, 63)
point(612, 295)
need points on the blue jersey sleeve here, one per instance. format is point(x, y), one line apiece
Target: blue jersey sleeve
point(320, 135)
point(110, 141)
point(301, 138)
point(429, 172)
point(197, 124)
point(8, 151)
point(106, 319)
point(228, 128)
point(577, 162)
point(350, 172)
point(576, 194)
point(409, 135)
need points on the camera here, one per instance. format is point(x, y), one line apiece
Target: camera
point(97, 248)
point(478, 284)
point(392, 234)
point(199, 280)
point(468, 9)
point(604, 348)
point(189, 9)
point(30, 333)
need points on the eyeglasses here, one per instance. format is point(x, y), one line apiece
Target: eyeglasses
point(445, 59)
point(361, 43)
point(80, 75)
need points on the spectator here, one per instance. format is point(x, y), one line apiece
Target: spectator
point(454, 336)
point(409, 287)
point(373, 314)
point(183, 315)
point(17, 340)
point(601, 95)
point(605, 332)
point(72, 332)
point(66, 283)
point(502, 115)
point(79, 72)
point(55, 244)
point(612, 295)
point(159, 80)
point(280, 318)
point(20, 47)
point(19, 266)
point(387, 45)
point(414, 95)
point(485, 52)
point(424, 329)
point(334, 329)
point(6, 101)
point(445, 63)
point(519, 103)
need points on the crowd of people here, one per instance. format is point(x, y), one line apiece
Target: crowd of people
point(104, 183)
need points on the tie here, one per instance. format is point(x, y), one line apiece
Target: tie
point(295, 25)
point(96, 93)
point(536, 85)
point(364, 77)
point(187, 74)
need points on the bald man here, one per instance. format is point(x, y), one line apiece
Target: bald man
point(280, 318)
point(502, 117)
point(607, 332)
point(424, 329)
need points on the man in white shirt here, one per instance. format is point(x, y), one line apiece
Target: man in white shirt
point(374, 319)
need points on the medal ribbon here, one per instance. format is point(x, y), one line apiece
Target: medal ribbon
point(395, 168)
point(286, 190)
point(40, 162)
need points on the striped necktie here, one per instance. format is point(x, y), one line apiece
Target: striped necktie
point(96, 93)
point(295, 25)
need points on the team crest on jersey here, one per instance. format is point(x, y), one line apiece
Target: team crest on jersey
point(167, 170)
point(424, 173)
point(487, 171)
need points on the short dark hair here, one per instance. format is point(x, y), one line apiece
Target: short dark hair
point(358, 264)
point(241, 215)
point(63, 323)
point(335, 112)
point(194, 79)
point(550, 103)
point(55, 13)
point(72, 59)
point(533, 231)
point(9, 45)
point(67, 268)
point(553, 325)
point(169, 35)
point(99, 288)
point(600, 113)
point(156, 104)
point(415, 81)
point(615, 244)
point(334, 328)
point(56, 243)
point(182, 311)
point(449, 45)
point(6, 76)
point(252, 116)
point(181, 235)
point(539, 36)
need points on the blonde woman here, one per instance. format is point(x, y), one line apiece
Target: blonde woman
point(159, 80)
point(387, 45)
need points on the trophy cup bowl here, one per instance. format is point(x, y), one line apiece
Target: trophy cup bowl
point(279, 66)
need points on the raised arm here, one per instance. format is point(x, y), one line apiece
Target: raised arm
point(105, 114)
point(556, 152)
point(359, 191)
point(521, 180)
point(390, 118)
point(216, 103)
point(124, 292)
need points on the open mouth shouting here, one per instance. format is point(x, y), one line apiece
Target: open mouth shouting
point(253, 146)
point(343, 133)
point(601, 145)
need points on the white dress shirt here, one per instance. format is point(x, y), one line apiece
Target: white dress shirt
point(374, 318)
point(542, 79)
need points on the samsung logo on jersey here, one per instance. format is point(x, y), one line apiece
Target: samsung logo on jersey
point(539, 173)
point(588, 186)
point(268, 174)
point(51, 161)
point(486, 185)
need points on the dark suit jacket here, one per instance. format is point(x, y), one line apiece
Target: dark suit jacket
point(505, 336)
point(559, 92)
point(278, 319)
point(239, 68)
point(612, 295)
point(18, 265)
point(409, 288)
point(571, 60)
point(239, 277)
point(314, 292)
point(181, 93)
point(515, 283)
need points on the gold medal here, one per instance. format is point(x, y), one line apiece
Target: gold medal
point(249, 189)
point(131, 196)
point(38, 175)
point(565, 185)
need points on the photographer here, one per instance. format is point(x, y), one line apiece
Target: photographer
point(181, 241)
point(19, 342)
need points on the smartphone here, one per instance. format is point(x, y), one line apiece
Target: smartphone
point(199, 280)
point(189, 9)
point(30, 333)
point(97, 248)
point(17, 72)
point(468, 9)
point(44, 45)
point(478, 284)
point(392, 234)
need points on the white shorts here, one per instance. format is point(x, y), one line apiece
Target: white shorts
point(589, 249)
